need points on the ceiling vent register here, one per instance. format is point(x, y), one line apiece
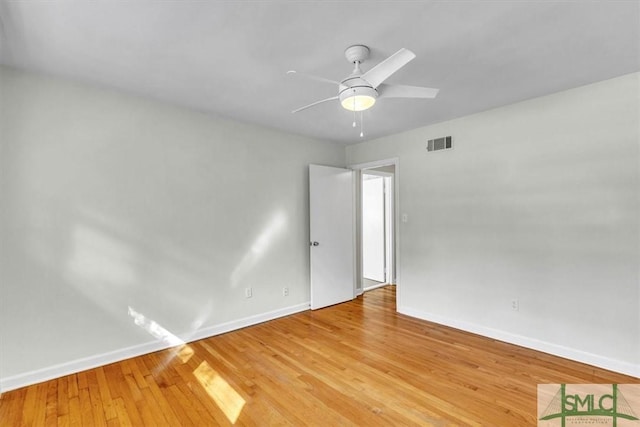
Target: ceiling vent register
point(437, 144)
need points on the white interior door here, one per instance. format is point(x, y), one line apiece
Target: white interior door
point(373, 228)
point(331, 219)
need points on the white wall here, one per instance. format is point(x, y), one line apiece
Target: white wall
point(111, 203)
point(537, 201)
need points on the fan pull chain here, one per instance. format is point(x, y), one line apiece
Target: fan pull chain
point(354, 111)
point(361, 124)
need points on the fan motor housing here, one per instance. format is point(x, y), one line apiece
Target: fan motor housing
point(357, 53)
point(363, 90)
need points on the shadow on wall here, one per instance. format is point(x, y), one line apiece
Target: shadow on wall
point(79, 271)
point(259, 247)
point(113, 267)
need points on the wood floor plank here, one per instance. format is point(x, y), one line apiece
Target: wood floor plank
point(29, 410)
point(123, 415)
point(51, 410)
point(11, 406)
point(63, 396)
point(72, 386)
point(97, 401)
point(162, 404)
point(105, 395)
point(75, 417)
point(357, 363)
point(86, 409)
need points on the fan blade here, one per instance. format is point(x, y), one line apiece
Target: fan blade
point(315, 103)
point(403, 91)
point(311, 77)
point(386, 68)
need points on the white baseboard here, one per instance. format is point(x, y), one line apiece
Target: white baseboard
point(379, 285)
point(79, 365)
point(534, 344)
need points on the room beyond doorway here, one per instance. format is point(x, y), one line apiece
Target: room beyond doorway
point(377, 226)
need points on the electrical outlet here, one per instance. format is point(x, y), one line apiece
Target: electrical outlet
point(515, 304)
point(248, 293)
point(285, 292)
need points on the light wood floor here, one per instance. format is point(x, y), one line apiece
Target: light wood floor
point(358, 363)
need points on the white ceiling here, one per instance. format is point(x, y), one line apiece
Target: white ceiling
point(230, 58)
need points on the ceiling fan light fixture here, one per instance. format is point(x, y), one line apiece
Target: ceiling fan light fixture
point(358, 98)
point(360, 90)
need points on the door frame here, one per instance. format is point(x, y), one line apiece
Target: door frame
point(359, 167)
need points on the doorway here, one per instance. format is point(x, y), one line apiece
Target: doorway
point(377, 227)
point(388, 171)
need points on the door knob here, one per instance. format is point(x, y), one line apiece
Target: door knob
point(314, 243)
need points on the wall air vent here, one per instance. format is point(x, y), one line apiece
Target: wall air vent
point(444, 143)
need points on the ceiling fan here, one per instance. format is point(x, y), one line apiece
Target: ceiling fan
point(359, 91)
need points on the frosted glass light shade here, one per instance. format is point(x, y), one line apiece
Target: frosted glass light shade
point(358, 98)
point(358, 102)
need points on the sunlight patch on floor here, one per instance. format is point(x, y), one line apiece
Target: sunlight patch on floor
point(227, 399)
